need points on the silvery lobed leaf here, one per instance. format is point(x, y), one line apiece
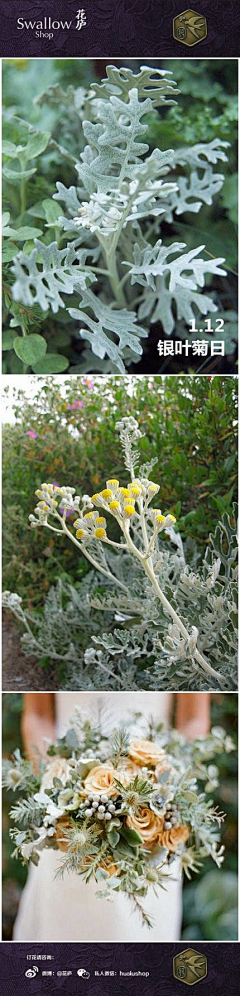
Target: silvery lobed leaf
point(48, 273)
point(107, 326)
point(149, 81)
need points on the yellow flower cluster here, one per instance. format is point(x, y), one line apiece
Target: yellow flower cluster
point(122, 501)
point(51, 496)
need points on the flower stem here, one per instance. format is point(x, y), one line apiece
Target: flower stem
point(169, 608)
point(147, 565)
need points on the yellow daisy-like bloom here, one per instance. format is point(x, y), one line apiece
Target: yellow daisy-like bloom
point(153, 487)
point(80, 533)
point(135, 490)
point(38, 493)
point(172, 517)
point(106, 493)
point(100, 533)
point(88, 515)
point(129, 510)
point(125, 492)
point(95, 497)
point(100, 521)
point(160, 518)
point(113, 483)
point(114, 505)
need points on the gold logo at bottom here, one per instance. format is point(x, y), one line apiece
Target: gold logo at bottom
point(190, 966)
point(189, 27)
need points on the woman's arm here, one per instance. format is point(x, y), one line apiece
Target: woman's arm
point(38, 721)
point(193, 714)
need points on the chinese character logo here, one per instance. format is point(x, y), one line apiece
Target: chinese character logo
point(190, 28)
point(190, 966)
point(81, 19)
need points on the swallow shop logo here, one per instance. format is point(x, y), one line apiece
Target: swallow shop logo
point(46, 27)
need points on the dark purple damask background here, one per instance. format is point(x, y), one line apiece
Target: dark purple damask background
point(141, 28)
point(223, 969)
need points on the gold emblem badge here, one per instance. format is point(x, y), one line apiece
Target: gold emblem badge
point(189, 27)
point(190, 966)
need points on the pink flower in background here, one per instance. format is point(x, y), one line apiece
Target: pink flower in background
point(33, 435)
point(70, 511)
point(76, 404)
point(55, 484)
point(89, 383)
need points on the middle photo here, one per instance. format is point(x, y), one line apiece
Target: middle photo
point(119, 559)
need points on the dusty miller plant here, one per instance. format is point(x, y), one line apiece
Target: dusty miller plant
point(113, 265)
point(178, 624)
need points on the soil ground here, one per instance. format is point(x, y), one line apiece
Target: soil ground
point(20, 673)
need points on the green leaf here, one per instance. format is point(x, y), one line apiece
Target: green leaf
point(8, 252)
point(8, 339)
point(113, 837)
point(131, 837)
point(37, 144)
point(30, 349)
point(52, 363)
point(14, 174)
point(52, 211)
point(20, 234)
point(10, 149)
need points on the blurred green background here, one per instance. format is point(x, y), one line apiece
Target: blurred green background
point(210, 899)
point(65, 432)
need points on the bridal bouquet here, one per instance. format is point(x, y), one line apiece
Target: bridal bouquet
point(119, 808)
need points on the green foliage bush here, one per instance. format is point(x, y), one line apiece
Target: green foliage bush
point(188, 425)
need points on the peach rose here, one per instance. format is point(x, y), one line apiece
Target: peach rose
point(58, 768)
point(148, 825)
point(101, 780)
point(146, 752)
point(172, 839)
point(126, 772)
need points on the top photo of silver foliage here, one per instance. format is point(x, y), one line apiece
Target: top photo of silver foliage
point(118, 198)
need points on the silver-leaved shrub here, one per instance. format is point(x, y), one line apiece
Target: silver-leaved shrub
point(151, 614)
point(112, 264)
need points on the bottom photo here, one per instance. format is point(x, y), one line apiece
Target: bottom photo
point(120, 816)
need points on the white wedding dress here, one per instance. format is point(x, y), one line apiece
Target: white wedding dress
point(67, 909)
